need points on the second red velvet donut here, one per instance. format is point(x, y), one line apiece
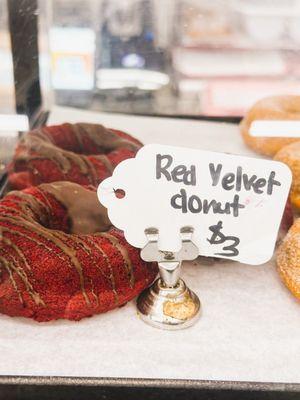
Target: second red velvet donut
point(82, 153)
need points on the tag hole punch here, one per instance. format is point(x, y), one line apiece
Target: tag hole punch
point(119, 193)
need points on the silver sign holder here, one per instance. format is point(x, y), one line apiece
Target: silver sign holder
point(169, 303)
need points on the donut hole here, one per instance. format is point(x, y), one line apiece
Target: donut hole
point(119, 193)
point(66, 207)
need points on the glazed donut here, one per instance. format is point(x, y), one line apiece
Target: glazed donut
point(60, 257)
point(290, 155)
point(82, 153)
point(288, 259)
point(277, 107)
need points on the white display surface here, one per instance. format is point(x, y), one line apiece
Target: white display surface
point(249, 329)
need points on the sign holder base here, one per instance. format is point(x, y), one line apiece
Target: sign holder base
point(168, 303)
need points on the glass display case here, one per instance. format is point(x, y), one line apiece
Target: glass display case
point(179, 59)
point(84, 86)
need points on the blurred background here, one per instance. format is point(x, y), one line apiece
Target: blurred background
point(210, 58)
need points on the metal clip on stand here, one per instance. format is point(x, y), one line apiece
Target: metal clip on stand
point(169, 303)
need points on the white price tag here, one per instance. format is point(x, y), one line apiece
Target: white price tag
point(234, 203)
point(275, 128)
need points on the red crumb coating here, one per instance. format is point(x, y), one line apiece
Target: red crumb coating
point(47, 273)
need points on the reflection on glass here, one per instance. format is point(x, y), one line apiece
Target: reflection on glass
point(173, 57)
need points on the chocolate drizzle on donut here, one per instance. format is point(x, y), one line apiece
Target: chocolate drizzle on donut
point(127, 262)
point(84, 210)
point(51, 236)
point(104, 273)
point(37, 149)
point(13, 266)
point(83, 153)
point(105, 139)
point(39, 209)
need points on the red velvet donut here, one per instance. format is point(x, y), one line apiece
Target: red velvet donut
point(82, 153)
point(60, 257)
